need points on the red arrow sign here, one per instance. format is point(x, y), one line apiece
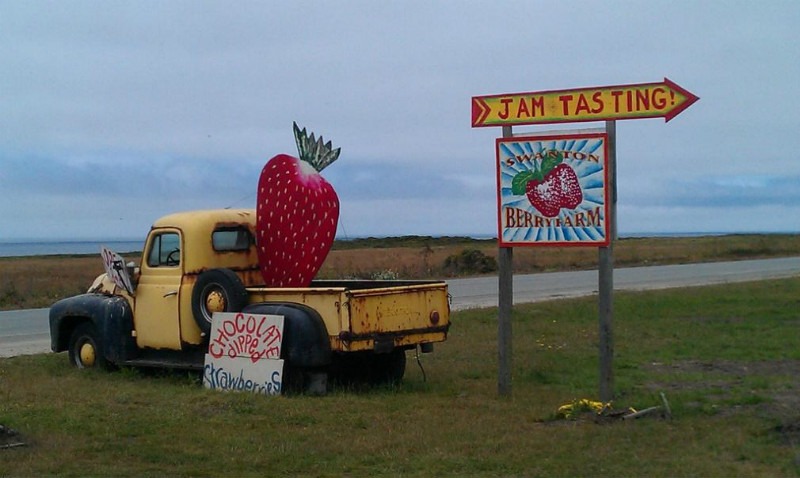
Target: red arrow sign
point(645, 100)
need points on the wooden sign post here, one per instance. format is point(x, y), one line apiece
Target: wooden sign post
point(560, 188)
point(606, 277)
point(505, 301)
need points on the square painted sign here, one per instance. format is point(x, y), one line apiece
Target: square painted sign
point(244, 353)
point(552, 189)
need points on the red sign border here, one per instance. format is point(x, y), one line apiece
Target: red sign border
point(544, 136)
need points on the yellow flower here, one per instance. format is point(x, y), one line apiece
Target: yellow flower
point(582, 405)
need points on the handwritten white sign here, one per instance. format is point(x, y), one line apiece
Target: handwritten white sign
point(244, 353)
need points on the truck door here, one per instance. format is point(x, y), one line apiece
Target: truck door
point(156, 317)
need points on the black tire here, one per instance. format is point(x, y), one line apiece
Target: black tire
point(86, 348)
point(370, 368)
point(222, 287)
point(302, 380)
point(390, 368)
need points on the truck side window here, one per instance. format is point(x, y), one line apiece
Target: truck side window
point(165, 250)
point(237, 238)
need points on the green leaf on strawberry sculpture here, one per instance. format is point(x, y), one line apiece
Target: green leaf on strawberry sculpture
point(520, 181)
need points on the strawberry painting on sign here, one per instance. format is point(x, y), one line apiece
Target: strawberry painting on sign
point(552, 189)
point(297, 213)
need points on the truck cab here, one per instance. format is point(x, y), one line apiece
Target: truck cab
point(178, 249)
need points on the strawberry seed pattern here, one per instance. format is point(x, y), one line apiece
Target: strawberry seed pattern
point(297, 214)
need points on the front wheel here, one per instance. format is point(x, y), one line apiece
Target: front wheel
point(216, 290)
point(85, 348)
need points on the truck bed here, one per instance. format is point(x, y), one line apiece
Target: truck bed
point(371, 315)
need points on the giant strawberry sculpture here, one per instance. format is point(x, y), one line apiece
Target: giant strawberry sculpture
point(297, 213)
point(550, 187)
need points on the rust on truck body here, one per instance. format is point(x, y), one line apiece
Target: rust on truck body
point(413, 313)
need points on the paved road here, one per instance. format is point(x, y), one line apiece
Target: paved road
point(482, 292)
point(26, 331)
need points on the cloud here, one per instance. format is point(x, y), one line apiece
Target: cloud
point(116, 176)
point(153, 177)
point(396, 180)
point(121, 195)
point(147, 109)
point(638, 218)
point(411, 216)
point(719, 192)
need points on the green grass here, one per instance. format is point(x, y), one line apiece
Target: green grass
point(727, 358)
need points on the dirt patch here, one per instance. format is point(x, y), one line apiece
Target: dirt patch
point(717, 320)
point(10, 438)
point(789, 433)
point(724, 378)
point(726, 370)
point(740, 369)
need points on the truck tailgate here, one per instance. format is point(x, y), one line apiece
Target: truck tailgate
point(406, 310)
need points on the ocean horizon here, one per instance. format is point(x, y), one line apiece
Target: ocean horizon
point(21, 248)
point(39, 247)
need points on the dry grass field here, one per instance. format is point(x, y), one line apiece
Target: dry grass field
point(426, 260)
point(29, 282)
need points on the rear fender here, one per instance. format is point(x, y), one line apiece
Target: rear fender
point(112, 318)
point(305, 338)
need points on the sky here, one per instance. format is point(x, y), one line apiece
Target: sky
point(113, 114)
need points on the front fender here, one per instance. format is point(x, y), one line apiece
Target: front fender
point(111, 315)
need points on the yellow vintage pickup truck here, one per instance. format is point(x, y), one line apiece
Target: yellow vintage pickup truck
point(200, 262)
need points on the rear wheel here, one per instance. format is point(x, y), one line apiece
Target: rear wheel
point(369, 367)
point(85, 348)
point(309, 381)
point(390, 368)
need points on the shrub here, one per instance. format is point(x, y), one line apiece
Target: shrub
point(387, 274)
point(9, 296)
point(469, 261)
